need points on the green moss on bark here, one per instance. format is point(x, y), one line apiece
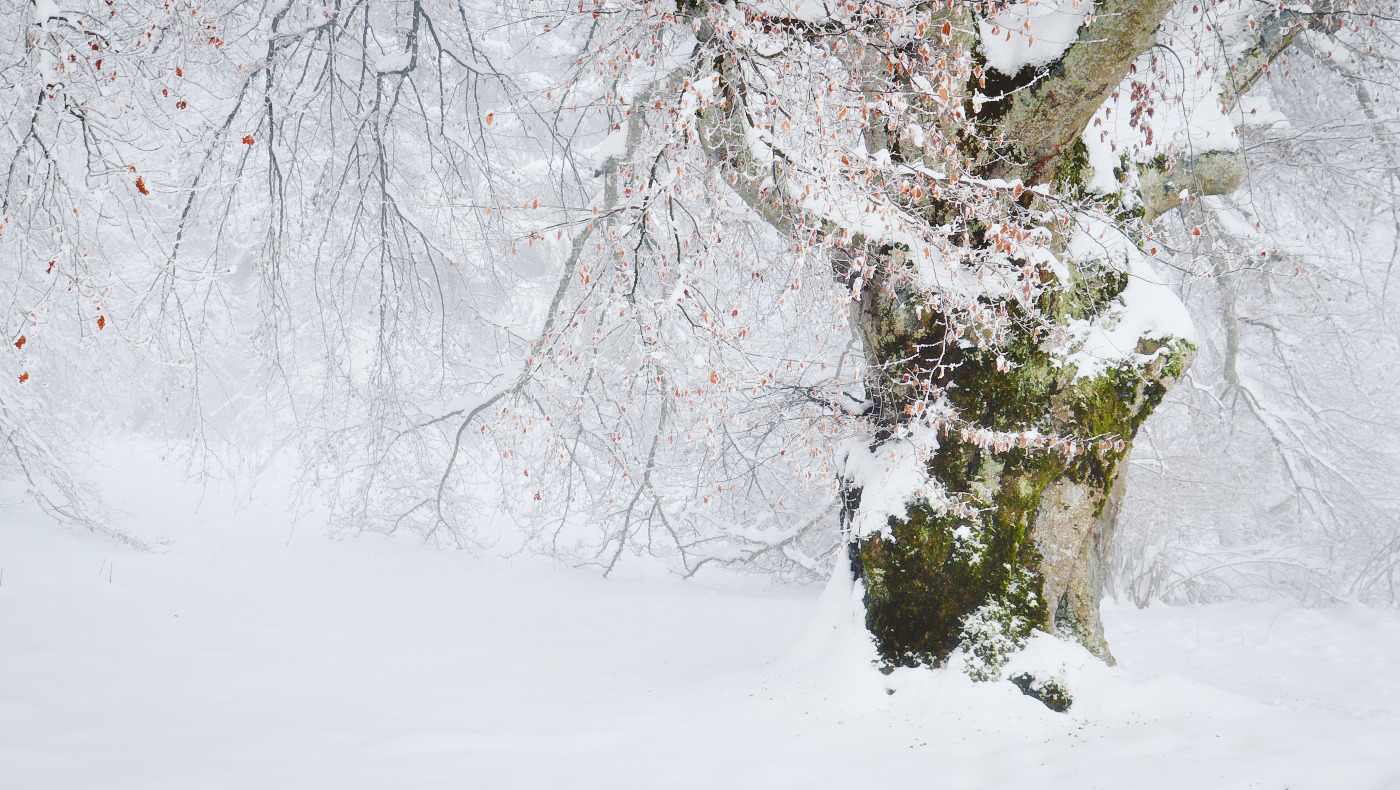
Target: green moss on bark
point(1028, 510)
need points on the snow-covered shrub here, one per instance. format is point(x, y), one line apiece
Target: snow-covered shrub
point(990, 635)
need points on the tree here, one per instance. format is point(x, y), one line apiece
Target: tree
point(703, 279)
point(1000, 429)
point(1001, 416)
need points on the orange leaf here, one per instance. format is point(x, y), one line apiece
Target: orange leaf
point(23, 377)
point(179, 72)
point(20, 343)
point(714, 377)
point(141, 186)
point(101, 322)
point(489, 117)
point(248, 139)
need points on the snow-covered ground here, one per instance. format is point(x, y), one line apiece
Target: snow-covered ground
point(248, 653)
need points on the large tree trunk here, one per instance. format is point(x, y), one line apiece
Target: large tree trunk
point(1026, 544)
point(1019, 540)
point(1026, 547)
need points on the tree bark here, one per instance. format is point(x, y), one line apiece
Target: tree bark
point(1027, 548)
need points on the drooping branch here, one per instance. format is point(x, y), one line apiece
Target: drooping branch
point(724, 138)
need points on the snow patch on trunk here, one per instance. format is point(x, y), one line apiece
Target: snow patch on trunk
point(1031, 34)
point(891, 476)
point(1147, 308)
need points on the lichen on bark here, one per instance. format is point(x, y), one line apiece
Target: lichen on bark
point(1161, 186)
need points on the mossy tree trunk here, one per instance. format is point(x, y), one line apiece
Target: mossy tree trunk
point(1026, 547)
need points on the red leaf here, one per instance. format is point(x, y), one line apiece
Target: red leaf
point(248, 139)
point(20, 343)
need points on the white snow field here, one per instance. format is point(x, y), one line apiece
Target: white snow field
point(248, 653)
